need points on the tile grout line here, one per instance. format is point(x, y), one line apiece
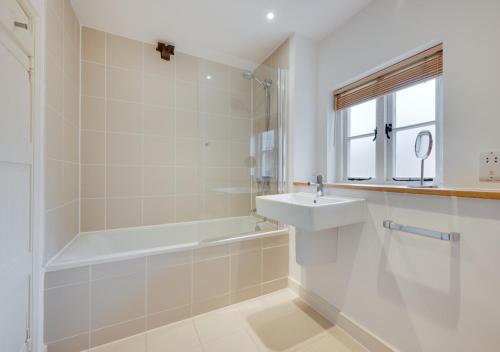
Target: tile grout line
point(105, 132)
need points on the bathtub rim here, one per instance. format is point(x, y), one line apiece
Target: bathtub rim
point(52, 264)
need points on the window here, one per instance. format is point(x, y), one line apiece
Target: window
point(378, 119)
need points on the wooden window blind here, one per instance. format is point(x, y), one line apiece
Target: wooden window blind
point(423, 66)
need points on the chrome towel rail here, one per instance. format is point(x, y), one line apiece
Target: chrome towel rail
point(444, 236)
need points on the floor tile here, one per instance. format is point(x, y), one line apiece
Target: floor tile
point(217, 324)
point(278, 322)
point(239, 341)
point(131, 344)
point(173, 338)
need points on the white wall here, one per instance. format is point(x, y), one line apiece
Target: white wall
point(302, 114)
point(388, 29)
point(420, 294)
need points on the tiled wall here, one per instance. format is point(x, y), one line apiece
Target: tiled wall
point(93, 305)
point(61, 125)
point(161, 142)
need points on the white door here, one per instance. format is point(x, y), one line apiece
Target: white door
point(16, 161)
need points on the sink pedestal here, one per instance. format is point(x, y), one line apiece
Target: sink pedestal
point(315, 247)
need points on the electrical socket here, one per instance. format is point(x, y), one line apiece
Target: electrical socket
point(489, 167)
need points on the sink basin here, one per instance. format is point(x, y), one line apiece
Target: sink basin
point(309, 212)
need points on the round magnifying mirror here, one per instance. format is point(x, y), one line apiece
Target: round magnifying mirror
point(423, 145)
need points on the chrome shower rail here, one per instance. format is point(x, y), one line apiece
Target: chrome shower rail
point(444, 236)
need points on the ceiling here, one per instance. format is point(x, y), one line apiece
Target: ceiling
point(235, 32)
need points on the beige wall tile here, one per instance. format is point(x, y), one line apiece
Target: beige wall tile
point(155, 65)
point(274, 241)
point(188, 208)
point(214, 127)
point(187, 152)
point(71, 62)
point(186, 67)
point(159, 181)
point(135, 343)
point(241, 104)
point(214, 179)
point(54, 171)
point(54, 134)
point(67, 277)
point(275, 263)
point(275, 285)
point(123, 181)
point(240, 204)
point(159, 91)
point(237, 82)
point(70, 184)
point(158, 151)
point(188, 180)
point(240, 130)
point(93, 79)
point(216, 154)
point(158, 210)
point(70, 142)
point(93, 113)
point(159, 121)
point(169, 288)
point(71, 101)
point(210, 278)
point(246, 270)
point(123, 212)
point(211, 252)
point(239, 154)
point(93, 214)
point(123, 149)
point(123, 52)
point(168, 316)
point(245, 294)
point(54, 85)
point(93, 181)
point(66, 311)
point(117, 300)
point(93, 147)
point(211, 304)
point(213, 101)
point(93, 45)
point(120, 268)
point(161, 261)
point(218, 73)
point(215, 206)
point(245, 246)
point(187, 124)
point(124, 84)
point(71, 344)
point(54, 36)
point(186, 96)
point(123, 116)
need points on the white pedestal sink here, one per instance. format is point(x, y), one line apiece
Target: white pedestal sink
point(315, 218)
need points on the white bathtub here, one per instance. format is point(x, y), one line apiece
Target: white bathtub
point(121, 244)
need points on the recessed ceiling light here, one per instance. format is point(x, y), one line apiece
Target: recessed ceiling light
point(270, 16)
point(209, 77)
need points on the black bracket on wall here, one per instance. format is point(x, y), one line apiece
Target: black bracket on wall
point(165, 50)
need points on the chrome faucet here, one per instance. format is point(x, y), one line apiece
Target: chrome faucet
point(319, 186)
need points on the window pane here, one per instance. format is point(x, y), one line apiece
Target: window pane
point(361, 161)
point(362, 118)
point(416, 104)
point(407, 164)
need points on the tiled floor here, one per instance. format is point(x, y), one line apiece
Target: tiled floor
point(276, 322)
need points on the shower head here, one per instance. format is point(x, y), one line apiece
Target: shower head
point(249, 75)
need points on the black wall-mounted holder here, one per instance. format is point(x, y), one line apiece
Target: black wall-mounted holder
point(165, 50)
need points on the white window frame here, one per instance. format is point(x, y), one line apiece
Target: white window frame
point(384, 148)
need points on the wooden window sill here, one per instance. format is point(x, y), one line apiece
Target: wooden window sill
point(440, 191)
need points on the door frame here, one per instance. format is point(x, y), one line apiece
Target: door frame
point(36, 15)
